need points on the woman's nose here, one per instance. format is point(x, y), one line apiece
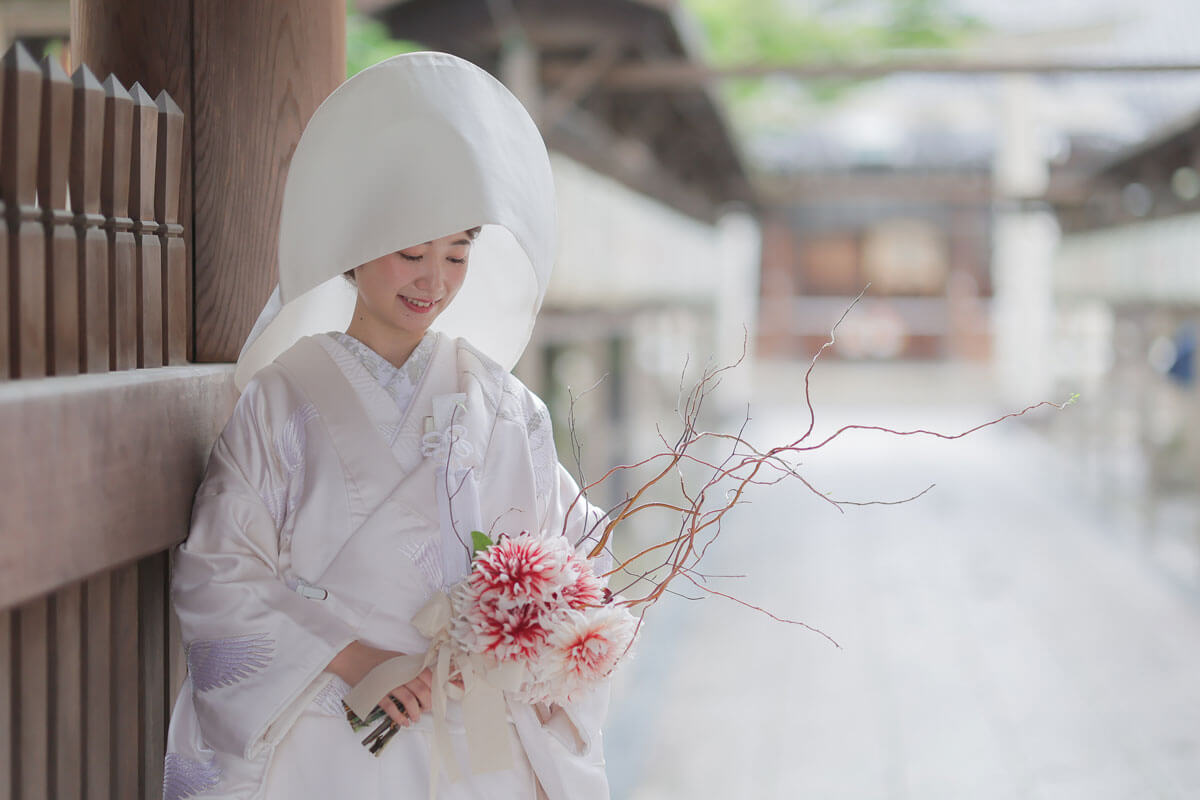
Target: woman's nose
point(430, 276)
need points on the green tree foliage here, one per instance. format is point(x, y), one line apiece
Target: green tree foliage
point(777, 31)
point(368, 42)
point(771, 30)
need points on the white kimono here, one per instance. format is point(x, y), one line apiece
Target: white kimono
point(329, 513)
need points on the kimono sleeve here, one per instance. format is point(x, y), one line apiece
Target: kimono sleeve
point(254, 647)
point(571, 514)
point(565, 743)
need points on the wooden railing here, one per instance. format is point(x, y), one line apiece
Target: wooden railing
point(98, 470)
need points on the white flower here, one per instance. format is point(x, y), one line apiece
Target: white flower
point(583, 648)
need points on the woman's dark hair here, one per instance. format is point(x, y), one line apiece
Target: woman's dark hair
point(471, 234)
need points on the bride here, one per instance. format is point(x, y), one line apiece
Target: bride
point(418, 217)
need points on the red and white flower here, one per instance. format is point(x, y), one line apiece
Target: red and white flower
point(521, 569)
point(584, 648)
point(584, 589)
point(505, 633)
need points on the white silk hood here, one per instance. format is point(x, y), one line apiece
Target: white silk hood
point(417, 147)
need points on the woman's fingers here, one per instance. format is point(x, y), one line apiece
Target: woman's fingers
point(393, 711)
point(404, 704)
point(410, 701)
point(422, 690)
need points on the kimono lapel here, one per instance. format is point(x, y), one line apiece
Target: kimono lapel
point(373, 472)
point(379, 404)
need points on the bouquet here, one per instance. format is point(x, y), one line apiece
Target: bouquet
point(536, 603)
point(531, 617)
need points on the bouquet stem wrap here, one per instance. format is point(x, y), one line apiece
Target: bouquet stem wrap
point(485, 715)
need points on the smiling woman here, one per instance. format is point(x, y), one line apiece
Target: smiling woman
point(341, 499)
point(401, 293)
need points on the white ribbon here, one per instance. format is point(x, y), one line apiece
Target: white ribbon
point(482, 694)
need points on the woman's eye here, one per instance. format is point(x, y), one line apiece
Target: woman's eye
point(407, 257)
point(456, 260)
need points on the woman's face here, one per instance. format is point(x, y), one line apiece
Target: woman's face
point(406, 290)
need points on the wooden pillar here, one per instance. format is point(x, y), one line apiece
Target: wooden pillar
point(247, 75)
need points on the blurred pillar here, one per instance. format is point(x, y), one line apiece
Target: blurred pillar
point(248, 74)
point(519, 72)
point(739, 249)
point(779, 287)
point(1024, 242)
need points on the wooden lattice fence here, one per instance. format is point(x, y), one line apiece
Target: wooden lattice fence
point(105, 429)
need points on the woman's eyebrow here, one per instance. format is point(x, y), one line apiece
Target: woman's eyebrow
point(455, 242)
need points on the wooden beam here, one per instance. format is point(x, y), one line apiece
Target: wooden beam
point(101, 469)
point(912, 187)
point(35, 18)
point(629, 161)
point(674, 74)
point(582, 79)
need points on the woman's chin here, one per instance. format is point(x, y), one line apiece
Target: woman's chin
point(415, 327)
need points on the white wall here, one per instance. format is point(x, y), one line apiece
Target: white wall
point(1157, 260)
point(620, 250)
point(1024, 242)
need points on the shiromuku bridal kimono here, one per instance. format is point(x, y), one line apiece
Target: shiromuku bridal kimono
point(332, 510)
point(343, 491)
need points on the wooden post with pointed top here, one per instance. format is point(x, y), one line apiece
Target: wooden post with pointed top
point(170, 232)
point(62, 276)
point(114, 205)
point(148, 261)
point(87, 143)
point(25, 313)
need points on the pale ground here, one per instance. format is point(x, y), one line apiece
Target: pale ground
point(1001, 637)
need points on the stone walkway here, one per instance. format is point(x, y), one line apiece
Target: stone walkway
point(999, 638)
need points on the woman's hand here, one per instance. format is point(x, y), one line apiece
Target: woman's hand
point(357, 659)
point(414, 697)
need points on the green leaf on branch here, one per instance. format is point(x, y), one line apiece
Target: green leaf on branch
point(479, 541)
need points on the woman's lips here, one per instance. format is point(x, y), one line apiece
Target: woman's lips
point(416, 305)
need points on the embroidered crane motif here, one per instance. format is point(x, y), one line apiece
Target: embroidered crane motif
point(224, 662)
point(291, 440)
point(185, 777)
point(426, 554)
